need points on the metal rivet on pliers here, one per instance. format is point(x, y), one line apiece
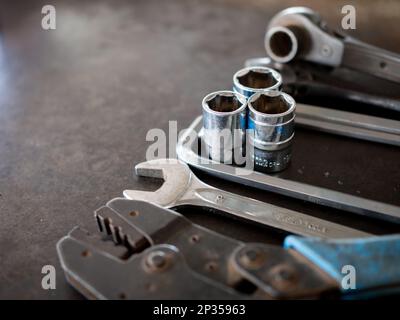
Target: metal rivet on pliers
point(252, 258)
point(283, 276)
point(156, 261)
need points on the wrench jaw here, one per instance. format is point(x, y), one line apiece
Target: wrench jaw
point(157, 168)
point(176, 175)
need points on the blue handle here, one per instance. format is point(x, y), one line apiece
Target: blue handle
point(376, 261)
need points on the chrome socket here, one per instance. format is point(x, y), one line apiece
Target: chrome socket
point(282, 43)
point(224, 125)
point(271, 122)
point(251, 80)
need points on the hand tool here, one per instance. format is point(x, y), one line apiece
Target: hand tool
point(159, 254)
point(251, 80)
point(300, 79)
point(224, 123)
point(182, 187)
point(163, 256)
point(271, 117)
point(304, 80)
point(187, 151)
point(299, 33)
point(348, 124)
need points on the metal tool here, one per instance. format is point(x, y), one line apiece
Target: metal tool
point(162, 255)
point(271, 116)
point(160, 272)
point(299, 33)
point(224, 123)
point(251, 80)
point(182, 187)
point(187, 151)
point(148, 252)
point(348, 124)
point(270, 120)
point(306, 80)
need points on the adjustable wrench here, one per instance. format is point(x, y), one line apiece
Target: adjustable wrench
point(182, 187)
point(299, 33)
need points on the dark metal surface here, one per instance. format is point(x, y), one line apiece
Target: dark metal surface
point(205, 253)
point(180, 260)
point(76, 104)
point(130, 279)
point(282, 274)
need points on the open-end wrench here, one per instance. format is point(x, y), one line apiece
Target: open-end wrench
point(182, 187)
point(299, 33)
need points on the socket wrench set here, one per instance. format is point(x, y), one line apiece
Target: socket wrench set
point(147, 250)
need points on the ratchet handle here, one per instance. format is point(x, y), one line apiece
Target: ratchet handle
point(273, 216)
point(366, 58)
point(370, 265)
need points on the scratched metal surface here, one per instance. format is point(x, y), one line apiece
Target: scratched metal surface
point(76, 104)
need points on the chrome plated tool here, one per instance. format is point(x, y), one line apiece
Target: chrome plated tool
point(254, 79)
point(348, 124)
point(271, 116)
point(182, 187)
point(302, 81)
point(224, 123)
point(300, 33)
point(187, 151)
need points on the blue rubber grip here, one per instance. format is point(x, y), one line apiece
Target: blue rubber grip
point(376, 261)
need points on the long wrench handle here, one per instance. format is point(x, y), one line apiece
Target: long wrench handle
point(273, 216)
point(366, 58)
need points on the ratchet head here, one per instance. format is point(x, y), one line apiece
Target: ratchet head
point(299, 32)
point(176, 175)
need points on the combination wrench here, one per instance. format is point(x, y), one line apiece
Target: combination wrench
point(182, 187)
